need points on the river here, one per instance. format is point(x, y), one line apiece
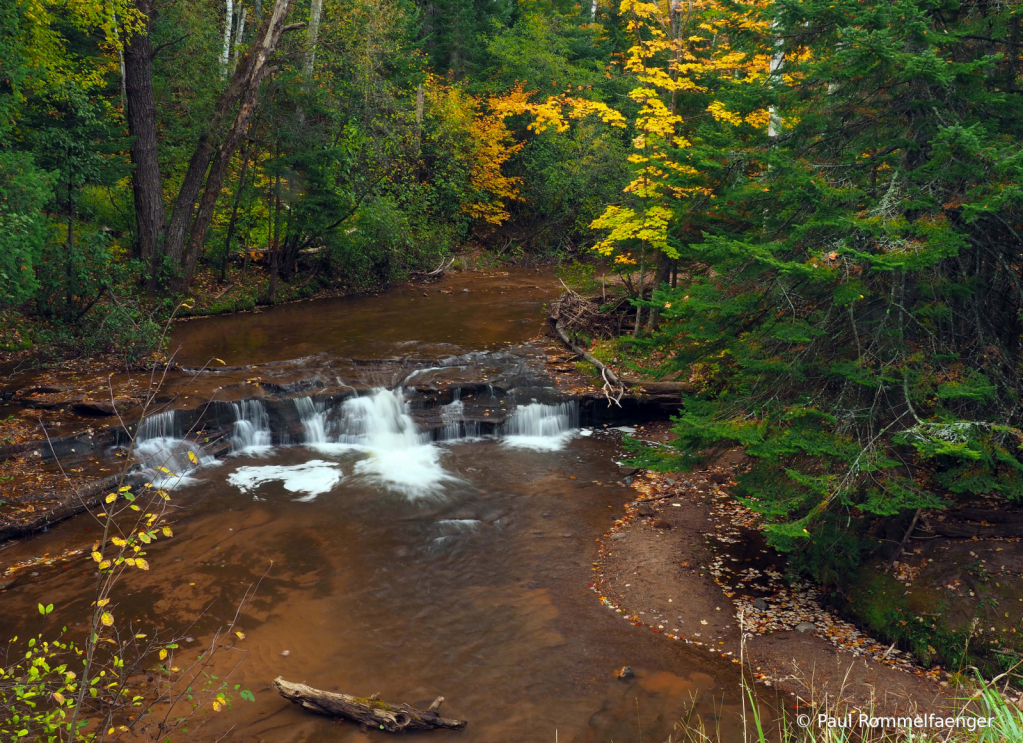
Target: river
point(400, 547)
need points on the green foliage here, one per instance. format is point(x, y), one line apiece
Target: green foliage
point(852, 308)
point(24, 191)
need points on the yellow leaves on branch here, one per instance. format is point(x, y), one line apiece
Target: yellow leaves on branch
point(649, 225)
point(551, 114)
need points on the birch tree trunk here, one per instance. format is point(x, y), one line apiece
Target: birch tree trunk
point(314, 32)
point(239, 39)
point(225, 55)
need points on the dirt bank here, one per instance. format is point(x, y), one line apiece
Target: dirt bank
point(683, 561)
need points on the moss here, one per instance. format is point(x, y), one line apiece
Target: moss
point(924, 622)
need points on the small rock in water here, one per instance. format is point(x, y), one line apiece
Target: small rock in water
point(619, 535)
point(628, 480)
point(285, 653)
point(625, 674)
point(806, 627)
point(465, 291)
point(627, 470)
point(645, 509)
point(760, 604)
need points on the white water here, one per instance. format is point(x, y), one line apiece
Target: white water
point(251, 433)
point(314, 420)
point(541, 427)
point(166, 457)
point(379, 426)
point(313, 478)
point(456, 427)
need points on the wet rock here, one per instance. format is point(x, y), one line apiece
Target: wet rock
point(619, 535)
point(628, 480)
point(760, 604)
point(661, 524)
point(669, 481)
point(646, 510)
point(627, 471)
point(806, 627)
point(93, 407)
point(625, 674)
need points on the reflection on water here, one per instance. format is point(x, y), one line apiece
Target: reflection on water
point(394, 559)
point(478, 593)
point(461, 311)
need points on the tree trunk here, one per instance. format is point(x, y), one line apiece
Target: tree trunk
point(276, 239)
point(662, 275)
point(225, 54)
point(314, 31)
point(369, 711)
point(250, 72)
point(215, 180)
point(146, 184)
point(234, 214)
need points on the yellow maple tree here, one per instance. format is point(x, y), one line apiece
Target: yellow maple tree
point(679, 47)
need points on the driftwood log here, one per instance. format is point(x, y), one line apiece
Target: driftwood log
point(370, 711)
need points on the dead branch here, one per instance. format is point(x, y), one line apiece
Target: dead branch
point(370, 711)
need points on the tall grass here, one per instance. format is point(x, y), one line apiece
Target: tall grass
point(1006, 724)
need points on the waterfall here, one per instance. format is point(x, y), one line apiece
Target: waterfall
point(314, 420)
point(158, 426)
point(251, 427)
point(540, 426)
point(456, 427)
point(165, 456)
point(379, 426)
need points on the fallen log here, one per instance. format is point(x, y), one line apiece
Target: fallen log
point(370, 711)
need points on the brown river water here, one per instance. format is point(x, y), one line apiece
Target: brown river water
point(395, 564)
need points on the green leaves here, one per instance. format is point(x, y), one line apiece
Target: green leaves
point(44, 610)
point(852, 306)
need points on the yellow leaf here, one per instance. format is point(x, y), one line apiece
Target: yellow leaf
point(141, 564)
point(164, 470)
point(102, 602)
point(107, 618)
point(192, 458)
point(216, 706)
point(163, 655)
point(241, 635)
point(124, 489)
point(111, 498)
point(146, 539)
point(118, 542)
point(58, 697)
point(97, 557)
point(167, 531)
point(104, 565)
point(220, 361)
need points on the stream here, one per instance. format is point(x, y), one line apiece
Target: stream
point(403, 543)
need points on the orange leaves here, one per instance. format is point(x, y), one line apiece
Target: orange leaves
point(488, 141)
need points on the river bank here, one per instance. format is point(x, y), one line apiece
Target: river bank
point(267, 403)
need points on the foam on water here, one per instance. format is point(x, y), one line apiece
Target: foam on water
point(313, 478)
point(541, 427)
